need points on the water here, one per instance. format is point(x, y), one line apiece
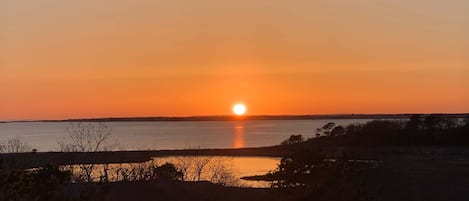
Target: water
point(216, 169)
point(237, 167)
point(44, 136)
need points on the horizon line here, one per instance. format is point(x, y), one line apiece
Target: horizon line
point(234, 117)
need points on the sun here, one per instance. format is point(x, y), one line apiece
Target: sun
point(239, 109)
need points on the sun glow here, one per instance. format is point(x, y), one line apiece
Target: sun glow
point(239, 109)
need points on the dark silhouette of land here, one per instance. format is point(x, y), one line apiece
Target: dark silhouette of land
point(247, 117)
point(33, 160)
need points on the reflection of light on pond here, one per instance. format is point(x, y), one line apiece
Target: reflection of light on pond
point(238, 138)
point(236, 167)
point(241, 167)
point(250, 166)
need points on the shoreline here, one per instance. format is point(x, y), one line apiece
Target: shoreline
point(242, 118)
point(29, 160)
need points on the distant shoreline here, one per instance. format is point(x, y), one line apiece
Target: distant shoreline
point(244, 118)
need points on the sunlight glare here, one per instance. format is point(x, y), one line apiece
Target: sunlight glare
point(239, 109)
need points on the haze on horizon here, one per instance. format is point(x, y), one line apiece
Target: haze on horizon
point(84, 59)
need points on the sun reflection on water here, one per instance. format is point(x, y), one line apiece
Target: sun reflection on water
point(238, 137)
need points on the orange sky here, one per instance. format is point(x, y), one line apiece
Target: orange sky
point(75, 59)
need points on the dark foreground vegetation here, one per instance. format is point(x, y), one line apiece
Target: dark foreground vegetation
point(42, 184)
point(423, 158)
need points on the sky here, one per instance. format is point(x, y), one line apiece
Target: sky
point(98, 58)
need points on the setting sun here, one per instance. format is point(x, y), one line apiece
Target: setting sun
point(239, 109)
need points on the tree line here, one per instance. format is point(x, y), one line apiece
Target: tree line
point(418, 130)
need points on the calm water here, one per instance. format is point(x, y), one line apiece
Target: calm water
point(175, 135)
point(238, 166)
point(229, 169)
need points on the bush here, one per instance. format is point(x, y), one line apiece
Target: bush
point(43, 184)
point(168, 171)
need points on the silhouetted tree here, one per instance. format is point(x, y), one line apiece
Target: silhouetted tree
point(88, 137)
point(168, 171)
point(294, 170)
point(199, 166)
point(325, 130)
point(215, 170)
point(15, 145)
point(337, 131)
point(293, 140)
point(221, 172)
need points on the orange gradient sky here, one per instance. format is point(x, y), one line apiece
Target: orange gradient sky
point(79, 59)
